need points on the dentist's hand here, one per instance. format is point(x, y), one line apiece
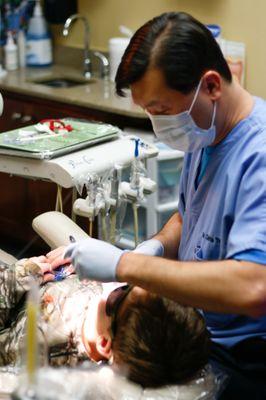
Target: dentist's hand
point(94, 259)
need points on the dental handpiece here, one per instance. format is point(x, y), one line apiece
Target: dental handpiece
point(60, 273)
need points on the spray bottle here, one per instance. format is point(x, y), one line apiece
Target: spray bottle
point(39, 46)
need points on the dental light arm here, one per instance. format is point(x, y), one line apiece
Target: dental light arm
point(114, 200)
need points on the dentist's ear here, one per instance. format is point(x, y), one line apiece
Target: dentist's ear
point(104, 346)
point(212, 84)
point(1, 104)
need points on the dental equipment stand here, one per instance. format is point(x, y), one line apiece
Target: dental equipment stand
point(66, 169)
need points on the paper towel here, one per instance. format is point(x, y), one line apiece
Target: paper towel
point(117, 47)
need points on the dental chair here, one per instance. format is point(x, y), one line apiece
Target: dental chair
point(55, 228)
point(6, 257)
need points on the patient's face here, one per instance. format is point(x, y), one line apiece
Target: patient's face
point(97, 335)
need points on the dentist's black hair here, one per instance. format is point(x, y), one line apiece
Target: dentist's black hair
point(176, 43)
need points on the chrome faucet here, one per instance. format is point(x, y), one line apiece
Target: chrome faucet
point(87, 60)
point(104, 64)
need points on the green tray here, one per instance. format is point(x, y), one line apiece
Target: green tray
point(84, 134)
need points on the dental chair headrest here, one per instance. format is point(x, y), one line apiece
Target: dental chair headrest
point(104, 384)
point(55, 228)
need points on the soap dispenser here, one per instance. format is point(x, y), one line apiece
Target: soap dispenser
point(11, 53)
point(39, 45)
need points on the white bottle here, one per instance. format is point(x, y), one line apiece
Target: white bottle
point(11, 53)
point(39, 46)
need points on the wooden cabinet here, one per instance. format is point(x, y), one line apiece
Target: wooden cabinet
point(22, 199)
point(21, 110)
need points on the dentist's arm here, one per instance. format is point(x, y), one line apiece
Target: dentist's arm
point(170, 236)
point(226, 286)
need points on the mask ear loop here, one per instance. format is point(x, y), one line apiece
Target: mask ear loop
point(214, 114)
point(195, 96)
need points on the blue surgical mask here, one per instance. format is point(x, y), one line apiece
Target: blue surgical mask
point(180, 131)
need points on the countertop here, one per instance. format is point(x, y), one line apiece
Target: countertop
point(98, 94)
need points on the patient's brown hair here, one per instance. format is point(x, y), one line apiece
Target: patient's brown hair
point(160, 342)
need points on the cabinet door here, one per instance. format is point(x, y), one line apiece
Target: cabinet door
point(12, 115)
point(22, 112)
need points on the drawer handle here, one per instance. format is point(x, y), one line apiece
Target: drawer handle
point(16, 116)
point(26, 118)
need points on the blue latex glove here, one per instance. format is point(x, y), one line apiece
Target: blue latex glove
point(151, 247)
point(94, 259)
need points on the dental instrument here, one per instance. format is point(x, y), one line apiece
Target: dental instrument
point(114, 203)
point(63, 271)
point(136, 171)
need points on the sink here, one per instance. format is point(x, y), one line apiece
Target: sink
point(62, 82)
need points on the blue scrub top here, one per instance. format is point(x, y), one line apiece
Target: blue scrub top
point(224, 213)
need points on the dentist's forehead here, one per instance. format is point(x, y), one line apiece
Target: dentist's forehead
point(151, 90)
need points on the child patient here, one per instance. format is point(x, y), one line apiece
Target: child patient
point(152, 340)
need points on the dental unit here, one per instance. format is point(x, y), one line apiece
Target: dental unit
point(106, 195)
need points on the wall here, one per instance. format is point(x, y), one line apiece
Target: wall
point(241, 20)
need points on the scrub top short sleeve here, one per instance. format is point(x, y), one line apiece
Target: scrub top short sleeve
point(248, 231)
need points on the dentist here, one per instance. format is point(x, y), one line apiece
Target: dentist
point(211, 254)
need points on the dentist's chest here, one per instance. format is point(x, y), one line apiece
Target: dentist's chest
point(208, 216)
